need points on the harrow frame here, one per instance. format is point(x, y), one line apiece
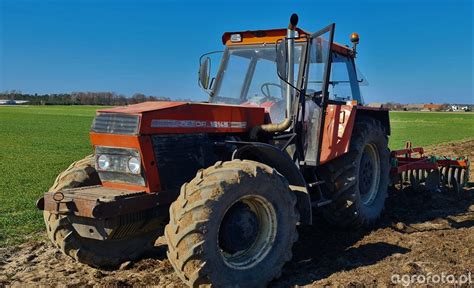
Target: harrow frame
point(411, 164)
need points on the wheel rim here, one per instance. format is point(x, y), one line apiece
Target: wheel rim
point(247, 232)
point(369, 174)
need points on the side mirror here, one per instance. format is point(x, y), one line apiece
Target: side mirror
point(204, 72)
point(282, 62)
point(282, 59)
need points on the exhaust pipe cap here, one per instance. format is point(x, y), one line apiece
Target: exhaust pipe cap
point(293, 21)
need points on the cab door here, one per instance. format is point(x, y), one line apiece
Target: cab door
point(318, 70)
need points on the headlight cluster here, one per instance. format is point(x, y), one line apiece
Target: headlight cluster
point(103, 162)
point(134, 165)
point(125, 163)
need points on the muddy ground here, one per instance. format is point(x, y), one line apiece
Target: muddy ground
point(419, 233)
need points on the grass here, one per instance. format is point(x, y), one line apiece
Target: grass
point(36, 143)
point(429, 128)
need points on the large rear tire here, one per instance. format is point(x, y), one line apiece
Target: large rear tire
point(233, 225)
point(358, 181)
point(93, 252)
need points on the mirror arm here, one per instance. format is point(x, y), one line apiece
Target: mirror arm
point(288, 83)
point(284, 79)
point(211, 83)
point(208, 90)
point(209, 53)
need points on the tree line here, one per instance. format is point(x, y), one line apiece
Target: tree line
point(81, 98)
point(393, 106)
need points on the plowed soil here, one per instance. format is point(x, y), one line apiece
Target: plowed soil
point(420, 233)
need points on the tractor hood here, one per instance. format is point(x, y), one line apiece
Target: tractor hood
point(177, 117)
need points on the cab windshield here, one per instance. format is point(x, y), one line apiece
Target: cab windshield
point(248, 75)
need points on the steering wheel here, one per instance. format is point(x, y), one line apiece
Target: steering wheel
point(267, 85)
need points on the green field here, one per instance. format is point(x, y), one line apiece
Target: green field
point(36, 143)
point(429, 128)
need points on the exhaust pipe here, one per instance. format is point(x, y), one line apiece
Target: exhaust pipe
point(286, 123)
point(290, 34)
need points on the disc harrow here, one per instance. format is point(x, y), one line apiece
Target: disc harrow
point(412, 166)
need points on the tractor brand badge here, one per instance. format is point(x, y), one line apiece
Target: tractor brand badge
point(166, 123)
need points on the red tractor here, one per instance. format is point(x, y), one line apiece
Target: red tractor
point(285, 132)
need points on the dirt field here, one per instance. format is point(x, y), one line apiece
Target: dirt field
point(420, 233)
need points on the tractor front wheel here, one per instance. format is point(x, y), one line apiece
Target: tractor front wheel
point(97, 253)
point(233, 224)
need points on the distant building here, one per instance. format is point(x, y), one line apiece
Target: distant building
point(375, 105)
point(465, 108)
point(12, 102)
point(413, 107)
point(435, 107)
point(432, 107)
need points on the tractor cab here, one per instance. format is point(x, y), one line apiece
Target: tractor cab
point(303, 80)
point(248, 73)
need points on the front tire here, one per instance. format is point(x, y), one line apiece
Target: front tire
point(96, 253)
point(233, 225)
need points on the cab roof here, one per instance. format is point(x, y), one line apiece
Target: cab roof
point(272, 36)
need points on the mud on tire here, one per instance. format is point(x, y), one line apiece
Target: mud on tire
point(200, 232)
point(89, 251)
point(358, 188)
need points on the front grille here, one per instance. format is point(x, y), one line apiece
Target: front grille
point(179, 157)
point(134, 179)
point(115, 123)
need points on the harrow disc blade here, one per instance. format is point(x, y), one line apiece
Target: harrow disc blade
point(421, 175)
point(454, 177)
point(414, 179)
point(433, 180)
point(464, 177)
point(450, 176)
point(455, 185)
point(444, 175)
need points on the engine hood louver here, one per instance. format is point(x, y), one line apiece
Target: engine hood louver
point(116, 123)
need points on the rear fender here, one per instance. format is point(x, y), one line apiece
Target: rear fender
point(338, 125)
point(380, 114)
point(280, 161)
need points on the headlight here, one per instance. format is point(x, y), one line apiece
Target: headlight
point(103, 162)
point(118, 160)
point(134, 165)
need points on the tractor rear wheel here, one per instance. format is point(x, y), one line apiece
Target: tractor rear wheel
point(97, 253)
point(233, 224)
point(358, 181)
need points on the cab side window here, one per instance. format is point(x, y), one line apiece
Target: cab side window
point(339, 82)
point(343, 84)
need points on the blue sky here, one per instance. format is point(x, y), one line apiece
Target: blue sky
point(410, 51)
